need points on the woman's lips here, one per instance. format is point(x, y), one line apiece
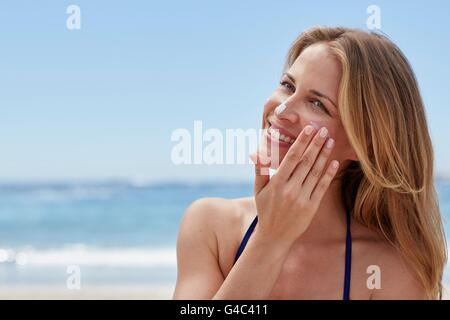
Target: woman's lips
point(282, 131)
point(274, 141)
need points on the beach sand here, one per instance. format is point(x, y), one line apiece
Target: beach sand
point(97, 292)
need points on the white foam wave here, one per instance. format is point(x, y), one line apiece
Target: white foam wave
point(75, 193)
point(91, 256)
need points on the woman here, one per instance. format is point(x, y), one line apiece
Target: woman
point(368, 228)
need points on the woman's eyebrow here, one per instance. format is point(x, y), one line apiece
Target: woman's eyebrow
point(287, 74)
point(315, 92)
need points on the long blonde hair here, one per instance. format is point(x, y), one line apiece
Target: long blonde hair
point(390, 189)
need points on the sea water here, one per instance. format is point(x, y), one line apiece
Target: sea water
point(114, 232)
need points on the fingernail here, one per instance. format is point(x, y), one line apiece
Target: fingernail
point(330, 143)
point(334, 164)
point(323, 132)
point(308, 130)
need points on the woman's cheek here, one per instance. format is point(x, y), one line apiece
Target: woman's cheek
point(317, 125)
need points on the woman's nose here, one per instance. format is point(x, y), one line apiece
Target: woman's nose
point(280, 108)
point(284, 112)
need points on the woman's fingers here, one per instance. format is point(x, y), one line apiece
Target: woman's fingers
point(292, 157)
point(317, 170)
point(262, 176)
point(308, 158)
point(324, 182)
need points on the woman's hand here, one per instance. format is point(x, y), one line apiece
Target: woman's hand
point(288, 201)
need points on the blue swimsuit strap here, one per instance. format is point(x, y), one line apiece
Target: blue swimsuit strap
point(348, 259)
point(348, 252)
point(245, 240)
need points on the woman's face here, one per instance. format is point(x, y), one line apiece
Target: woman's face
point(309, 90)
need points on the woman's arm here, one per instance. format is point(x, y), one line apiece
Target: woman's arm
point(256, 271)
point(199, 275)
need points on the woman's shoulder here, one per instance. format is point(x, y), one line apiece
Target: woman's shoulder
point(378, 257)
point(216, 211)
point(221, 223)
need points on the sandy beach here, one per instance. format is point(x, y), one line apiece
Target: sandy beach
point(97, 292)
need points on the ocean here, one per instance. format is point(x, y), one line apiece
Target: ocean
point(114, 232)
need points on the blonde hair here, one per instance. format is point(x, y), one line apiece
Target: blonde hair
point(390, 189)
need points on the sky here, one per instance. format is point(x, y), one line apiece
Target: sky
point(101, 102)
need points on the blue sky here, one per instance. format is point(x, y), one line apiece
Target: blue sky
point(102, 102)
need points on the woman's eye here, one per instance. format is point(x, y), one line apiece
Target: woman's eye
point(319, 104)
point(287, 85)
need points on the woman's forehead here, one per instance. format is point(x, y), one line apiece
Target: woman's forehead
point(316, 67)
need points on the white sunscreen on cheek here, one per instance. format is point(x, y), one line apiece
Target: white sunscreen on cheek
point(315, 125)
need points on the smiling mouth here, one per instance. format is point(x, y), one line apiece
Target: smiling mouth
point(279, 134)
point(276, 135)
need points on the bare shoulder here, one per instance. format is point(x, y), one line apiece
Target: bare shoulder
point(215, 213)
point(398, 279)
point(219, 223)
point(206, 224)
point(377, 257)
